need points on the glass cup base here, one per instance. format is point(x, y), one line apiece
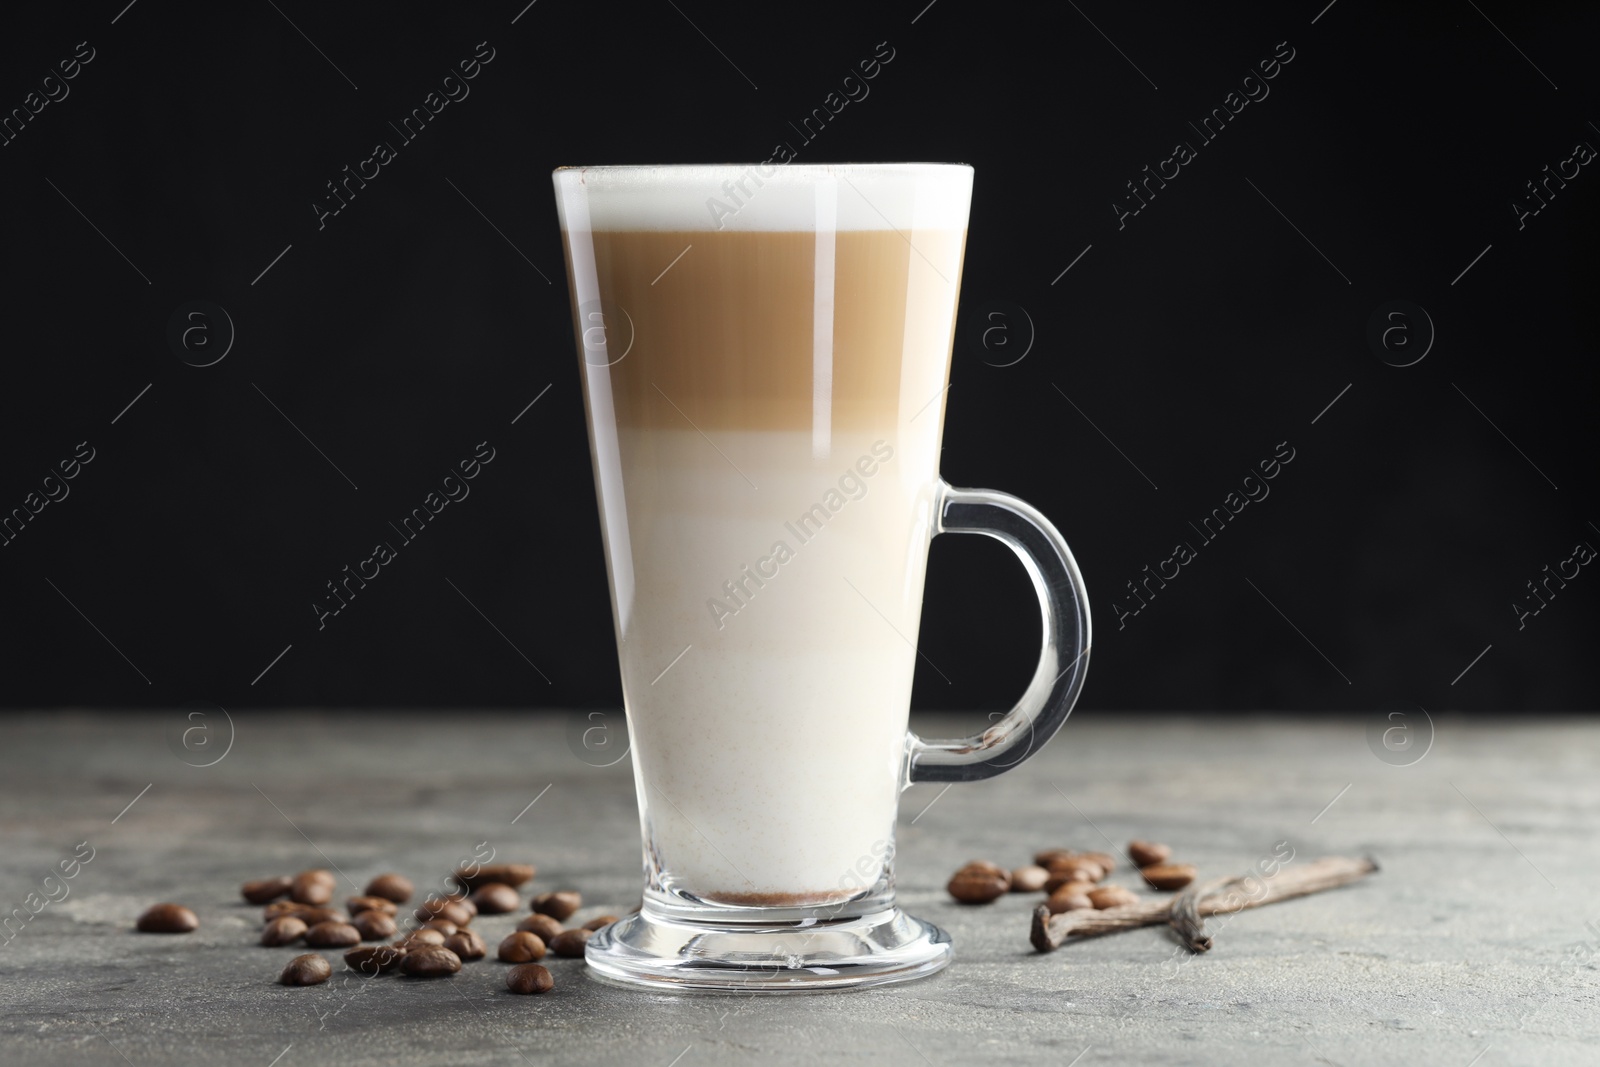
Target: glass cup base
point(804, 955)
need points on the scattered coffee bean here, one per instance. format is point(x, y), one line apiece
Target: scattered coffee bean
point(167, 919)
point(390, 887)
point(374, 926)
point(284, 930)
point(986, 867)
point(1044, 857)
point(1106, 860)
point(1168, 875)
point(465, 902)
point(495, 898)
point(1029, 879)
point(529, 978)
point(599, 921)
point(558, 905)
point(443, 908)
point(979, 882)
point(467, 945)
point(266, 890)
point(543, 925)
point(1078, 863)
point(312, 887)
point(1070, 897)
point(444, 926)
point(570, 942)
point(304, 912)
point(1111, 896)
point(521, 947)
point(512, 874)
point(333, 935)
point(374, 959)
point(357, 905)
point(434, 961)
point(1145, 853)
point(420, 939)
point(1067, 876)
point(310, 969)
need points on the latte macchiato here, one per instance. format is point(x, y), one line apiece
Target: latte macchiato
point(765, 405)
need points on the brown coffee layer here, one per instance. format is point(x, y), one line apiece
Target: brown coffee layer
point(718, 327)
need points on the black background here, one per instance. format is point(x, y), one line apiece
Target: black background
point(426, 315)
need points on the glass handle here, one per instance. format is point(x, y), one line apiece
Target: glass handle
point(1063, 661)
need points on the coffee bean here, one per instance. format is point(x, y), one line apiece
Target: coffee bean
point(435, 961)
point(443, 908)
point(304, 912)
point(393, 887)
point(1077, 863)
point(284, 930)
point(266, 890)
point(310, 969)
point(312, 887)
point(1056, 881)
point(1044, 857)
point(978, 885)
point(521, 947)
point(1070, 897)
point(986, 867)
point(1029, 879)
point(543, 925)
point(374, 959)
point(464, 901)
point(333, 935)
point(599, 921)
point(357, 905)
point(1168, 875)
point(1106, 860)
point(444, 926)
point(529, 978)
point(1068, 876)
point(472, 875)
point(1145, 853)
point(1111, 896)
point(570, 942)
point(374, 925)
point(420, 939)
point(558, 905)
point(167, 919)
point(467, 945)
point(495, 898)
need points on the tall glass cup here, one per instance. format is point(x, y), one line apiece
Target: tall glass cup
point(765, 352)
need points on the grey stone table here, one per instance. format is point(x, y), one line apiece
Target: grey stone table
point(1477, 944)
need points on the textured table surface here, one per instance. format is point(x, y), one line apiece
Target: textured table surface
point(1478, 943)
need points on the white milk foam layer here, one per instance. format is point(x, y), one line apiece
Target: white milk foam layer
point(765, 197)
point(769, 733)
